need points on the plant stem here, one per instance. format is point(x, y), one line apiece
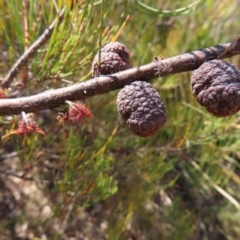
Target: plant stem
point(104, 84)
point(31, 51)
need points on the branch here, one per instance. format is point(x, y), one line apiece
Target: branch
point(31, 51)
point(104, 84)
point(9, 172)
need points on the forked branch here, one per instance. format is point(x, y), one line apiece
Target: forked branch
point(31, 51)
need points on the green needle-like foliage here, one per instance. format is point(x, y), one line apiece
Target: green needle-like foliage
point(98, 180)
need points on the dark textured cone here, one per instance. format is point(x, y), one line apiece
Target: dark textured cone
point(118, 48)
point(114, 58)
point(110, 63)
point(142, 108)
point(216, 86)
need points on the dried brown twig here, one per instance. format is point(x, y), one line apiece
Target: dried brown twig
point(104, 84)
point(229, 47)
point(31, 51)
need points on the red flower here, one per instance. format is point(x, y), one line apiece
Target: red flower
point(26, 127)
point(76, 113)
point(2, 93)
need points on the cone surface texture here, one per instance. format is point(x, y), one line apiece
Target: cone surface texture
point(114, 58)
point(141, 106)
point(216, 86)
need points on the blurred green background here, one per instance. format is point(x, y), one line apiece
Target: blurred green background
point(99, 181)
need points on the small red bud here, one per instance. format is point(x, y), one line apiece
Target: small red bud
point(76, 113)
point(26, 127)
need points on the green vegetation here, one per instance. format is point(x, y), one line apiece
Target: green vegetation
point(99, 181)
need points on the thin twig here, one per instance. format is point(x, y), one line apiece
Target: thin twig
point(227, 49)
point(219, 189)
point(31, 51)
point(25, 4)
point(25, 23)
point(104, 84)
point(8, 172)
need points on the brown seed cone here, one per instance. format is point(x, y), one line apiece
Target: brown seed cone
point(114, 58)
point(110, 63)
point(142, 108)
point(216, 86)
point(118, 48)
